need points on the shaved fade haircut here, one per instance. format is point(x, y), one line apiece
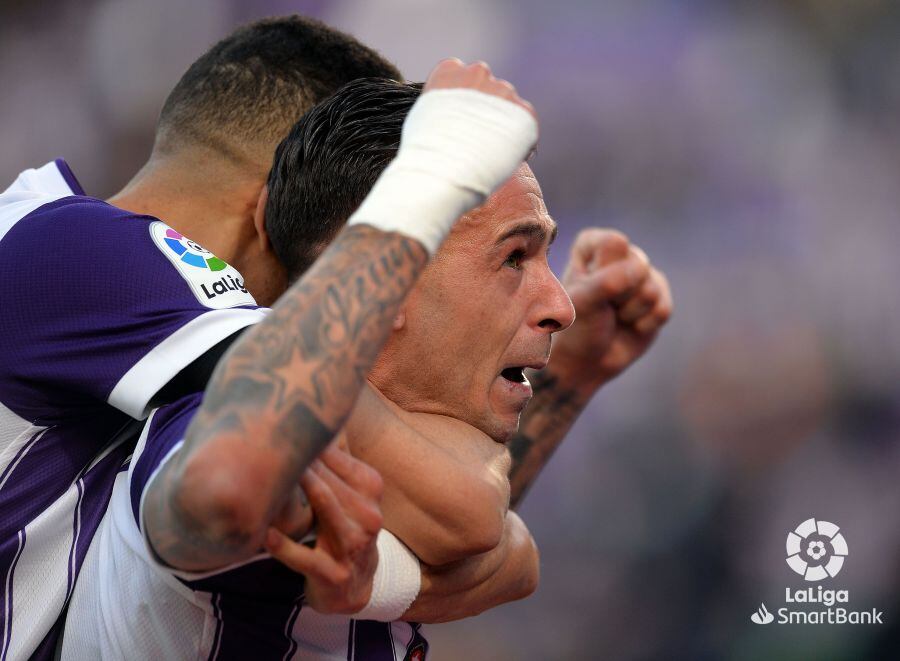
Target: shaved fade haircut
point(329, 162)
point(243, 95)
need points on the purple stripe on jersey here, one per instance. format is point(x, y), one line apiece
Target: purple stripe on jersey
point(95, 489)
point(98, 487)
point(46, 651)
point(351, 632)
point(76, 526)
point(289, 630)
point(11, 466)
point(49, 468)
point(217, 637)
point(264, 581)
point(44, 471)
point(256, 604)
point(167, 429)
point(69, 176)
point(8, 595)
point(12, 536)
point(372, 641)
point(253, 628)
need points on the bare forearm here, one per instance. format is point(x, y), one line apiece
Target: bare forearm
point(460, 509)
point(550, 414)
point(469, 587)
point(277, 399)
point(439, 534)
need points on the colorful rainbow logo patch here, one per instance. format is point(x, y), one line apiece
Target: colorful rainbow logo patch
point(192, 253)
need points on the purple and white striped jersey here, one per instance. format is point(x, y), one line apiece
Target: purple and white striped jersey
point(126, 605)
point(100, 310)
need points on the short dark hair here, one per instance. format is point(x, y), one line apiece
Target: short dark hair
point(328, 163)
point(248, 89)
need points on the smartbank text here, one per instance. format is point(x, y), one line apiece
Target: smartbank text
point(831, 615)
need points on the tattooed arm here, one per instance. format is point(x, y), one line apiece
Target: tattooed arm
point(621, 302)
point(550, 415)
point(276, 401)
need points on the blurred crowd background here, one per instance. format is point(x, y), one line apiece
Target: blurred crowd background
point(752, 148)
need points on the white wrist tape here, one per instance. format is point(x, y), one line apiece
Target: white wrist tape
point(458, 146)
point(397, 581)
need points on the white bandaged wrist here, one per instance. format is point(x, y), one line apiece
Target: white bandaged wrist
point(458, 146)
point(397, 581)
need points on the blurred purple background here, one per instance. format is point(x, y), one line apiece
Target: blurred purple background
point(753, 150)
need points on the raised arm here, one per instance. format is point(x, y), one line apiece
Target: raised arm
point(277, 398)
point(621, 302)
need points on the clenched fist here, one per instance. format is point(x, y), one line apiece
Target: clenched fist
point(621, 301)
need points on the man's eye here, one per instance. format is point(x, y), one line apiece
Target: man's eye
point(514, 260)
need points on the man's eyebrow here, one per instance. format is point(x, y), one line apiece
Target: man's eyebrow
point(531, 230)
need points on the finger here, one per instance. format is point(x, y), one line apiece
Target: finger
point(444, 73)
point(641, 302)
point(357, 474)
point(453, 73)
point(480, 70)
point(595, 247)
point(330, 516)
point(611, 284)
point(637, 250)
point(300, 558)
point(506, 90)
point(295, 517)
point(358, 508)
point(661, 313)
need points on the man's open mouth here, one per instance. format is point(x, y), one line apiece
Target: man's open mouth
point(514, 374)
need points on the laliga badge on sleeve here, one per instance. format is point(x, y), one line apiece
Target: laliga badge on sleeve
point(215, 284)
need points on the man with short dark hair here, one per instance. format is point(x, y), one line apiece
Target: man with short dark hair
point(244, 93)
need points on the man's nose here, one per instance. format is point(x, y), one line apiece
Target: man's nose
point(556, 310)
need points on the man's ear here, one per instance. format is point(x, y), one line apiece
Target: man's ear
point(259, 219)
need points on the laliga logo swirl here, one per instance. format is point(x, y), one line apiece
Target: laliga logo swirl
point(816, 550)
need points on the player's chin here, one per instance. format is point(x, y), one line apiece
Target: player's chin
point(504, 427)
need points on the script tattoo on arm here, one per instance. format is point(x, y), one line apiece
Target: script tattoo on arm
point(278, 397)
point(551, 412)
